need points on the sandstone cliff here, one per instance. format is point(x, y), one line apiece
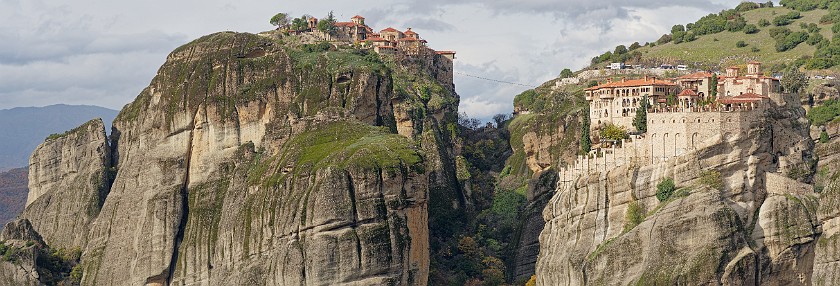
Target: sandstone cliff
point(254, 159)
point(736, 220)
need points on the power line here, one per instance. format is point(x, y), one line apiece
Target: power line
point(495, 80)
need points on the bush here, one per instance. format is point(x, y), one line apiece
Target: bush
point(820, 115)
point(755, 49)
point(735, 25)
point(814, 39)
point(763, 23)
point(740, 44)
point(634, 215)
point(779, 32)
point(824, 137)
point(791, 41)
point(709, 24)
point(751, 29)
point(665, 189)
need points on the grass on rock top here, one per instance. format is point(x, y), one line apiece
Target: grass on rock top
point(347, 144)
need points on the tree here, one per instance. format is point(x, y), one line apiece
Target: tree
point(620, 50)
point(566, 73)
point(327, 25)
point(640, 122)
point(794, 80)
point(677, 28)
point(763, 23)
point(614, 132)
point(635, 45)
point(585, 141)
point(279, 20)
point(713, 84)
point(500, 119)
point(740, 44)
point(665, 189)
point(751, 29)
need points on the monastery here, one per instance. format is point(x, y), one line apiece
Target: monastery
point(389, 41)
point(617, 102)
point(682, 115)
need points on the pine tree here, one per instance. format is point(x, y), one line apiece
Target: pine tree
point(640, 122)
point(713, 87)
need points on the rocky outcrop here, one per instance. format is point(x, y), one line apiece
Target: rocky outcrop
point(827, 253)
point(252, 159)
point(19, 266)
point(749, 225)
point(69, 177)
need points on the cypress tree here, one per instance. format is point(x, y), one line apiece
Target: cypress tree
point(640, 122)
point(585, 141)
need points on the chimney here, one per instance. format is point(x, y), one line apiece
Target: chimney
point(623, 79)
point(609, 80)
point(653, 79)
point(646, 78)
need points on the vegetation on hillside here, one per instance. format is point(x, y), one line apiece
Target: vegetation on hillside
point(800, 34)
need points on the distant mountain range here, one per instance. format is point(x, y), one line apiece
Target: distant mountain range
point(13, 191)
point(24, 128)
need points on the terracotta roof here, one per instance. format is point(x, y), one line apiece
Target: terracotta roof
point(312, 19)
point(410, 32)
point(445, 52)
point(733, 67)
point(632, 83)
point(357, 17)
point(408, 40)
point(389, 29)
point(377, 39)
point(345, 24)
point(662, 100)
point(742, 98)
point(687, 92)
point(697, 75)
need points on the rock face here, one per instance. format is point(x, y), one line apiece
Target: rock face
point(69, 178)
point(252, 160)
point(14, 186)
point(750, 225)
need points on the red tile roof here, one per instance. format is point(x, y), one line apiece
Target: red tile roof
point(632, 83)
point(357, 17)
point(377, 39)
point(345, 24)
point(697, 75)
point(410, 32)
point(389, 30)
point(687, 92)
point(445, 52)
point(408, 40)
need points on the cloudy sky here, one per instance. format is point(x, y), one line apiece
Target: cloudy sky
point(101, 52)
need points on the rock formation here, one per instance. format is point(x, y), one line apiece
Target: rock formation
point(252, 159)
point(737, 218)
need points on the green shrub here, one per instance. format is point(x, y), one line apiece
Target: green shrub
point(755, 49)
point(665, 189)
point(791, 41)
point(614, 132)
point(740, 44)
point(820, 115)
point(824, 137)
point(751, 29)
point(634, 215)
point(763, 23)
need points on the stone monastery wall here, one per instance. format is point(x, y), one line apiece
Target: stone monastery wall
point(669, 135)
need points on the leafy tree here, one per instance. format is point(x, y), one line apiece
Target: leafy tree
point(794, 80)
point(825, 113)
point(635, 46)
point(709, 24)
point(836, 28)
point(778, 33)
point(746, 6)
point(736, 25)
point(664, 39)
point(620, 49)
point(566, 73)
point(614, 132)
point(791, 41)
point(665, 189)
point(763, 23)
point(677, 28)
point(640, 122)
point(280, 19)
point(678, 37)
point(500, 119)
point(327, 25)
point(768, 4)
point(740, 44)
point(814, 39)
point(751, 29)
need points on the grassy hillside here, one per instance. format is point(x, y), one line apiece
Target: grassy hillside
point(713, 50)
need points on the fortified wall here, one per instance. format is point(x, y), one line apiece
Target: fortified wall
point(670, 134)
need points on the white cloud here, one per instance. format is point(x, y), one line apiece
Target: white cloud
point(104, 52)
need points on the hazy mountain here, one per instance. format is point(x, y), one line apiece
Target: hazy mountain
point(23, 128)
point(13, 190)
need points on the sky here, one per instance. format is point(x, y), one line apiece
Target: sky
point(101, 52)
